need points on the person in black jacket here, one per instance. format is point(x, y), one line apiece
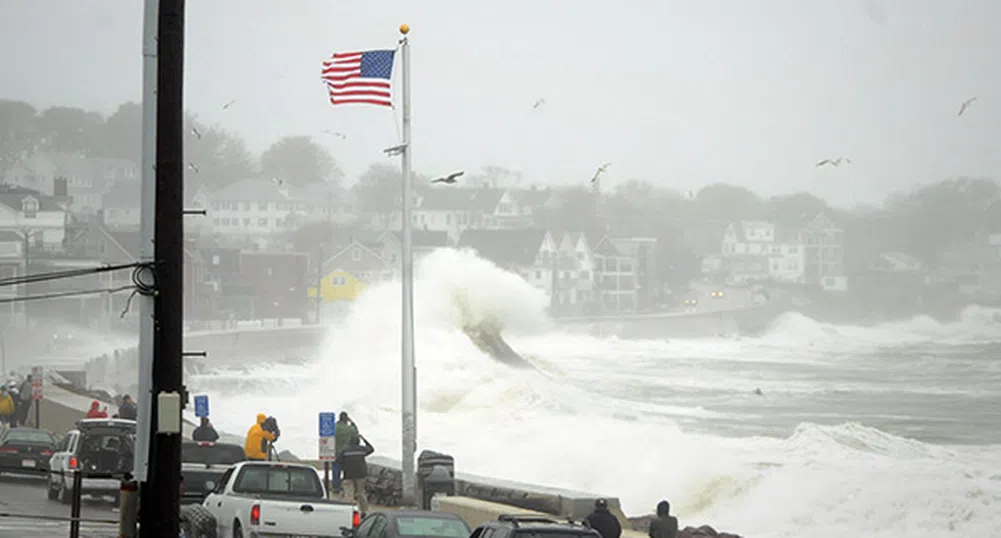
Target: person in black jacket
point(603, 521)
point(356, 471)
point(127, 409)
point(664, 525)
point(205, 433)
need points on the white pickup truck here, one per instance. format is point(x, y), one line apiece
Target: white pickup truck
point(271, 499)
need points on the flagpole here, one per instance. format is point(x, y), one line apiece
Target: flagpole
point(408, 368)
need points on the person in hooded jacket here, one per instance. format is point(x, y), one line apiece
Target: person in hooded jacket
point(664, 525)
point(356, 470)
point(256, 437)
point(603, 521)
point(95, 412)
point(6, 406)
point(205, 432)
point(25, 397)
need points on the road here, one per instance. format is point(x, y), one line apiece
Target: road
point(25, 512)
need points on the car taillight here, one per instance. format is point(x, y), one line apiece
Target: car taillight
point(8, 449)
point(73, 462)
point(255, 514)
point(355, 519)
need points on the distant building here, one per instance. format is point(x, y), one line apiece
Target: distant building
point(528, 252)
point(824, 255)
point(615, 277)
point(85, 179)
point(758, 250)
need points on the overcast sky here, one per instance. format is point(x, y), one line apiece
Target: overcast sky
point(683, 93)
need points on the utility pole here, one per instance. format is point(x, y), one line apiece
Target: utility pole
point(162, 518)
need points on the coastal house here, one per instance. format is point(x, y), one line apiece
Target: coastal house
point(574, 281)
point(615, 277)
point(824, 254)
point(643, 251)
point(760, 250)
point(530, 253)
point(83, 180)
point(348, 271)
point(39, 219)
point(121, 205)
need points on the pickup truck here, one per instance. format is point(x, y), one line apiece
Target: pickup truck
point(202, 463)
point(266, 498)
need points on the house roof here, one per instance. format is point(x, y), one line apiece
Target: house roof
point(13, 196)
point(461, 199)
point(505, 247)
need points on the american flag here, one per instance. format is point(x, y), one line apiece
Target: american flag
point(359, 78)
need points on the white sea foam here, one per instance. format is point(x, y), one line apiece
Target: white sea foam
point(548, 426)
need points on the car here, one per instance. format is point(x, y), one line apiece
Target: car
point(409, 524)
point(26, 450)
point(270, 498)
point(691, 302)
point(102, 446)
point(716, 294)
point(203, 463)
point(531, 526)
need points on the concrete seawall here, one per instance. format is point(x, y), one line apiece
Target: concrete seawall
point(61, 408)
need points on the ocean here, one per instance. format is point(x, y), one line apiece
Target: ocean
point(891, 430)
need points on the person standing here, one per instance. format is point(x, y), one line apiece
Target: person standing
point(603, 521)
point(356, 470)
point(256, 437)
point(127, 409)
point(6, 407)
point(344, 430)
point(205, 433)
point(25, 399)
point(664, 525)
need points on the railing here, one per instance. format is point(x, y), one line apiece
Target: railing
point(74, 518)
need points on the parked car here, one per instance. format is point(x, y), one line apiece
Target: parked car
point(409, 524)
point(276, 499)
point(518, 526)
point(26, 450)
point(97, 446)
point(203, 463)
point(716, 294)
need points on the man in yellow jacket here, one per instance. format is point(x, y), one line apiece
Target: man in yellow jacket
point(6, 407)
point(254, 448)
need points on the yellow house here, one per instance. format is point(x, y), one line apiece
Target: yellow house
point(349, 271)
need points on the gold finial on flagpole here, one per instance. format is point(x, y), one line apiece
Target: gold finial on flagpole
point(404, 29)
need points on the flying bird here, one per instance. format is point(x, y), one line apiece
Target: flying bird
point(193, 167)
point(834, 162)
point(227, 105)
point(342, 136)
point(278, 181)
point(197, 134)
point(966, 104)
point(601, 170)
point(539, 103)
point(450, 179)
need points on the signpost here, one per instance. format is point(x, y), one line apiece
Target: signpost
point(327, 448)
point(37, 389)
point(201, 405)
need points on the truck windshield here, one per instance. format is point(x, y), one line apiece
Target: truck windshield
point(297, 481)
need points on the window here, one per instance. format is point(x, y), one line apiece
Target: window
point(267, 479)
point(339, 281)
point(215, 259)
point(29, 206)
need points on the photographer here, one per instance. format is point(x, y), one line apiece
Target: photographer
point(270, 425)
point(256, 446)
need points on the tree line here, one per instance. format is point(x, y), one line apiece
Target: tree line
point(926, 221)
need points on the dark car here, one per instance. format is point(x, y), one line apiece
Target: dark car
point(409, 524)
point(204, 463)
point(518, 526)
point(26, 450)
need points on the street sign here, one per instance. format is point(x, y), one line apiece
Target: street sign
point(37, 382)
point(202, 405)
point(327, 449)
point(328, 423)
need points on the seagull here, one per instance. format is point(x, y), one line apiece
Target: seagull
point(834, 162)
point(966, 104)
point(601, 170)
point(278, 181)
point(227, 105)
point(449, 179)
point(193, 167)
point(196, 133)
point(342, 136)
point(539, 103)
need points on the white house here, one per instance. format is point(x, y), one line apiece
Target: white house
point(575, 276)
point(258, 208)
point(121, 205)
point(758, 250)
point(615, 277)
point(33, 216)
point(87, 179)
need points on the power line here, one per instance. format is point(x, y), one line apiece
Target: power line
point(60, 275)
point(57, 295)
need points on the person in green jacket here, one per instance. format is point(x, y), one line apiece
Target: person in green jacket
point(344, 430)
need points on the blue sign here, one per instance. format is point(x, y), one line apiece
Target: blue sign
point(202, 405)
point(328, 423)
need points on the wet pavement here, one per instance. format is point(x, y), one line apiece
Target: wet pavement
point(25, 511)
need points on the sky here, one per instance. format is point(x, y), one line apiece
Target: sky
point(680, 93)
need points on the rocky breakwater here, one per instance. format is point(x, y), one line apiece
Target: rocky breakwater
point(642, 524)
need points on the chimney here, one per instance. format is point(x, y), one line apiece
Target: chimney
point(59, 186)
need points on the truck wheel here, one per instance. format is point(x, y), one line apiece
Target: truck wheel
point(197, 522)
